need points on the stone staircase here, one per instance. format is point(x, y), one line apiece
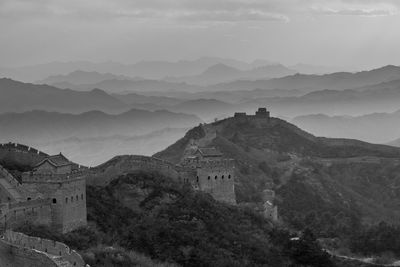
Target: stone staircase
point(11, 185)
point(11, 189)
point(59, 261)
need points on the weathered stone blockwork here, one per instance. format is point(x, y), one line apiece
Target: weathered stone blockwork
point(21, 154)
point(216, 177)
point(28, 250)
point(67, 195)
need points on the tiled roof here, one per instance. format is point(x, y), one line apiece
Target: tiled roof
point(56, 160)
point(209, 152)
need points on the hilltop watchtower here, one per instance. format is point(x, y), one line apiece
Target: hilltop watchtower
point(212, 173)
point(262, 113)
point(63, 182)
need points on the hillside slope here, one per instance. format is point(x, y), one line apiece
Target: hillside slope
point(311, 175)
point(17, 97)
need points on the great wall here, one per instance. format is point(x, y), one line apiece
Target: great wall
point(56, 195)
point(52, 193)
point(17, 249)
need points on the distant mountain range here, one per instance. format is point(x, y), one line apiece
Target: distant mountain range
point(375, 127)
point(39, 126)
point(146, 69)
point(79, 77)
point(222, 73)
point(19, 97)
point(384, 97)
point(310, 83)
point(131, 85)
point(92, 151)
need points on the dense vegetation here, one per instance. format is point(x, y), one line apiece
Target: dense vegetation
point(376, 240)
point(154, 216)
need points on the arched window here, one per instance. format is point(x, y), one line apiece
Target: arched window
point(229, 176)
point(197, 178)
point(54, 200)
point(72, 199)
point(222, 177)
point(216, 177)
point(77, 198)
point(209, 177)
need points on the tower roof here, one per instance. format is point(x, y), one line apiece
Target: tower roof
point(56, 160)
point(209, 152)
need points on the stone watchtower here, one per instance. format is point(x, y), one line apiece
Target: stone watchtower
point(64, 184)
point(262, 113)
point(212, 174)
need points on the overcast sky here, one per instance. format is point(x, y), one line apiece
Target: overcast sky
point(362, 33)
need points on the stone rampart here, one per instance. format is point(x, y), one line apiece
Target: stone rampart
point(21, 148)
point(12, 255)
point(31, 177)
point(120, 165)
point(34, 211)
point(44, 245)
point(21, 154)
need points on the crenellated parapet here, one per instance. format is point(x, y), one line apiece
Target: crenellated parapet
point(49, 247)
point(262, 115)
point(120, 165)
point(19, 154)
point(32, 177)
point(208, 164)
point(21, 149)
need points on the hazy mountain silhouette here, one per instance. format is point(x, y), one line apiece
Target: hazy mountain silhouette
point(138, 99)
point(384, 97)
point(375, 127)
point(309, 83)
point(222, 73)
point(120, 86)
point(315, 69)
point(18, 96)
point(145, 69)
point(82, 77)
point(207, 109)
point(92, 151)
point(93, 137)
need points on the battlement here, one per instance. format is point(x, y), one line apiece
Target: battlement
point(22, 148)
point(44, 245)
point(193, 162)
point(31, 177)
point(261, 113)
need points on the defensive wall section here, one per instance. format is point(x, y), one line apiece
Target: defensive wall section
point(67, 194)
point(215, 177)
point(34, 211)
point(26, 251)
point(121, 165)
point(21, 154)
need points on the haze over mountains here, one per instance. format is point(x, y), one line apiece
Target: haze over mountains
point(95, 136)
point(145, 69)
point(208, 89)
point(370, 127)
point(92, 116)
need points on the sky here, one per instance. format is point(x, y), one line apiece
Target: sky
point(357, 33)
